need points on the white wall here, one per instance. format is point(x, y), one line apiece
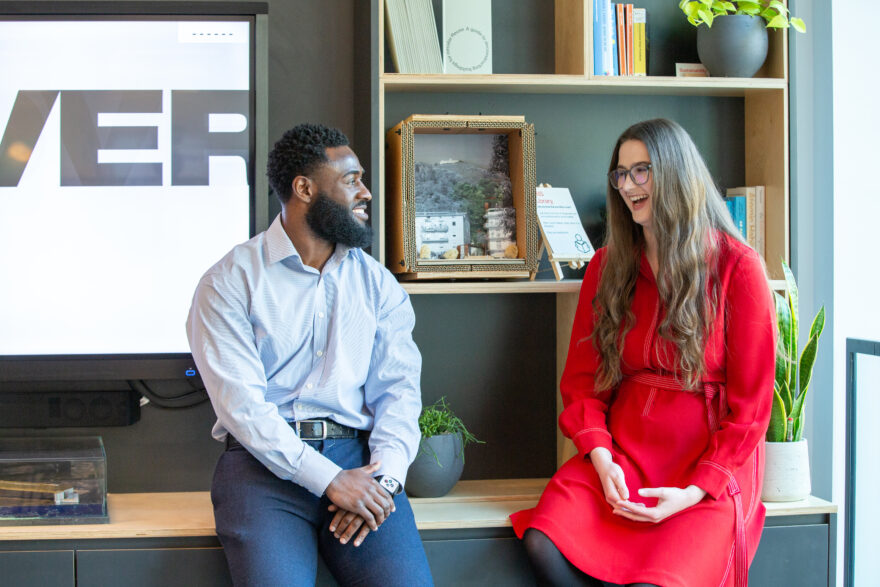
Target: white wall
point(856, 207)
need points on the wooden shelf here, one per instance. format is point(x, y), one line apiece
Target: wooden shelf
point(492, 287)
point(577, 84)
point(471, 504)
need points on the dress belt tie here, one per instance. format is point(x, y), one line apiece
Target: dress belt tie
point(710, 390)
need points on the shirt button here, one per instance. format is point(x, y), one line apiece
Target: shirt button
point(320, 314)
point(309, 386)
point(320, 353)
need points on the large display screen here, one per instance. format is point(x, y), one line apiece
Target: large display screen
point(126, 168)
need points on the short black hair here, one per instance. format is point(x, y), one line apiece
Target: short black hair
point(298, 152)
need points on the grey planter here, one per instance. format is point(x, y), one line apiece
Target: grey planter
point(735, 46)
point(437, 467)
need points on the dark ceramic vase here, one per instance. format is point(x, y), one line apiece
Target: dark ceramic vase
point(437, 467)
point(735, 45)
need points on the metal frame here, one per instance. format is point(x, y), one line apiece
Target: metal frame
point(853, 347)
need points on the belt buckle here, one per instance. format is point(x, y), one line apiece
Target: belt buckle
point(323, 429)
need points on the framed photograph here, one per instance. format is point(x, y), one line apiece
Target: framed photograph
point(461, 197)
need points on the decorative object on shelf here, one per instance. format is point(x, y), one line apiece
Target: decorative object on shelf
point(691, 70)
point(53, 481)
point(733, 40)
point(467, 36)
point(787, 470)
point(440, 461)
point(562, 232)
point(461, 197)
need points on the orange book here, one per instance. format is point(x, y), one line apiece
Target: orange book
point(620, 9)
point(629, 40)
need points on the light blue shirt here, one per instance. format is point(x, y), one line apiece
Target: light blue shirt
point(277, 341)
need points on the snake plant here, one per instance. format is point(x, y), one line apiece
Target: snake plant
point(792, 374)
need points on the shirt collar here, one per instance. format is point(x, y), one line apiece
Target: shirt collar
point(280, 247)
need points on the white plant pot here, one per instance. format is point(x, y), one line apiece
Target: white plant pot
point(786, 471)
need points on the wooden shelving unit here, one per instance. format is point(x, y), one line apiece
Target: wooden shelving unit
point(764, 125)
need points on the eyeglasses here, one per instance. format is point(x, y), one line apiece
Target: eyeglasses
point(639, 173)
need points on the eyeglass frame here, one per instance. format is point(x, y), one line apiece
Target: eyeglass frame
point(624, 172)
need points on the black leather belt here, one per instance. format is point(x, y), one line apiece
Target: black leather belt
point(313, 430)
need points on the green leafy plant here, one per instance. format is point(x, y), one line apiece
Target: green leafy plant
point(438, 418)
point(792, 374)
point(774, 12)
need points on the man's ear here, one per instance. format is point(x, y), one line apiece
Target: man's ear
point(302, 189)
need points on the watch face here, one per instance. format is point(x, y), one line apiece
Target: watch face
point(390, 484)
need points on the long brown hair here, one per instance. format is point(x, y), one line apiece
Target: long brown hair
point(688, 214)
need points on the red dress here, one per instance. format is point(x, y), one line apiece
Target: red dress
point(662, 436)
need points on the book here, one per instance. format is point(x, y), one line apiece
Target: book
point(467, 36)
point(640, 41)
point(748, 212)
point(599, 45)
point(412, 36)
point(620, 21)
point(608, 17)
point(628, 14)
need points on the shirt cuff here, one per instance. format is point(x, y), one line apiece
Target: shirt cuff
point(711, 477)
point(393, 464)
point(588, 439)
point(316, 471)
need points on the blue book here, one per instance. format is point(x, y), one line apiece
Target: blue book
point(612, 26)
point(598, 38)
point(736, 205)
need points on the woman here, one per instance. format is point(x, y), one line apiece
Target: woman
point(666, 389)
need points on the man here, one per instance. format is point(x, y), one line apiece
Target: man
point(305, 346)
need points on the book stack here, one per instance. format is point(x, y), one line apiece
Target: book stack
point(412, 36)
point(619, 39)
point(746, 207)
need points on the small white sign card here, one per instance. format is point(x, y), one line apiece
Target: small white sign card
point(561, 230)
point(467, 36)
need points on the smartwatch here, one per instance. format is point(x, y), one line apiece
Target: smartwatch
point(390, 484)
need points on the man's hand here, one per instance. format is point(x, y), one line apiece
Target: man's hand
point(345, 524)
point(610, 475)
point(671, 500)
point(356, 492)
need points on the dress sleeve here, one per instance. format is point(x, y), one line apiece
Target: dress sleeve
point(750, 340)
point(583, 415)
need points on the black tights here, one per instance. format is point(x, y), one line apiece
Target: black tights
point(553, 569)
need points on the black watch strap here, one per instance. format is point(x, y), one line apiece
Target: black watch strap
point(390, 484)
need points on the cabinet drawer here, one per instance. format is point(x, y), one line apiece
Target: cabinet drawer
point(159, 567)
point(791, 555)
point(51, 568)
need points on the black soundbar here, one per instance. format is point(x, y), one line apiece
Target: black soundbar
point(48, 409)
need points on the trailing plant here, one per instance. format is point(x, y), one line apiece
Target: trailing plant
point(438, 418)
point(774, 12)
point(792, 374)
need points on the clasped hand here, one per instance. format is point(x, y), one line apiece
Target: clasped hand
point(670, 500)
point(360, 503)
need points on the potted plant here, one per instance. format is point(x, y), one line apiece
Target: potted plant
point(733, 40)
point(787, 470)
point(440, 460)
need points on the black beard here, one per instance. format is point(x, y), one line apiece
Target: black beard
point(334, 223)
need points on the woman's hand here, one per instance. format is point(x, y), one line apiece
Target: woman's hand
point(611, 476)
point(671, 500)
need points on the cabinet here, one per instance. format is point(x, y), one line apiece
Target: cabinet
point(543, 53)
point(168, 539)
